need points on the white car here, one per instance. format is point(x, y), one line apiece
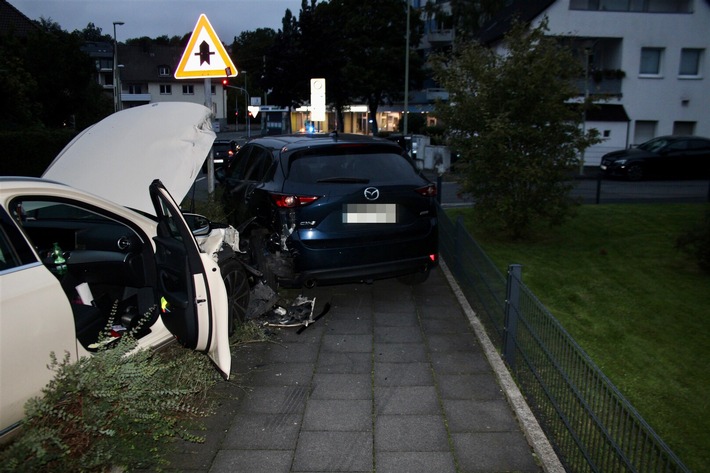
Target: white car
point(101, 237)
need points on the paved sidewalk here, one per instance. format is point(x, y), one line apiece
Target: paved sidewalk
point(392, 379)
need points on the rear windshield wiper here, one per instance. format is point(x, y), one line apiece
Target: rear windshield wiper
point(345, 180)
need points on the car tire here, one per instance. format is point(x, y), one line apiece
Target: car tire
point(237, 284)
point(413, 279)
point(259, 255)
point(635, 172)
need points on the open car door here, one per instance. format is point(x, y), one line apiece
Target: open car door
point(193, 297)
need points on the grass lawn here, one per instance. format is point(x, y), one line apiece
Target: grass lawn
point(638, 306)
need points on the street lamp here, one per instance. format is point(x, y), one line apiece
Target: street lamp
point(246, 106)
point(246, 101)
point(116, 91)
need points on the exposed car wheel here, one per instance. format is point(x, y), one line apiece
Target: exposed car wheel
point(237, 284)
point(259, 254)
point(413, 279)
point(635, 172)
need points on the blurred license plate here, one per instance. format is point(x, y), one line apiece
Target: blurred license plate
point(370, 213)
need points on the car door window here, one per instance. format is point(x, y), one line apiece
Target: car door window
point(258, 164)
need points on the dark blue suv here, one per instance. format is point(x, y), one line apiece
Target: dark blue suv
point(332, 209)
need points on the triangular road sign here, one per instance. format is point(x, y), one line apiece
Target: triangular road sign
point(205, 55)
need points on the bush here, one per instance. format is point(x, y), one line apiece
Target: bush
point(696, 242)
point(115, 408)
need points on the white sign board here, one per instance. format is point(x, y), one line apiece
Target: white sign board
point(318, 100)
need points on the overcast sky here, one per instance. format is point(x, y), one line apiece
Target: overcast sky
point(155, 18)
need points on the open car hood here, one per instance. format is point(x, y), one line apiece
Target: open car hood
point(118, 157)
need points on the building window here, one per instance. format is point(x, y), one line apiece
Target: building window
point(163, 71)
point(644, 131)
point(651, 61)
point(690, 62)
point(188, 89)
point(646, 6)
point(212, 89)
point(166, 89)
point(135, 89)
point(683, 128)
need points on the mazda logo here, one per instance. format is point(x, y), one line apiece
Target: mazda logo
point(372, 193)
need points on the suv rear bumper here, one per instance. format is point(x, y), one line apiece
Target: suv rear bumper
point(361, 273)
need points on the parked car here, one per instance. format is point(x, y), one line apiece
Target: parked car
point(332, 208)
point(99, 241)
point(222, 152)
point(661, 157)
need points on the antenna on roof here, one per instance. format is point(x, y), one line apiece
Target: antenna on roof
point(334, 135)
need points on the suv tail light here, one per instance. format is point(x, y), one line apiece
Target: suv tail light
point(427, 191)
point(289, 201)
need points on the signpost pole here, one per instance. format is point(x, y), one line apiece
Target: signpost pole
point(210, 157)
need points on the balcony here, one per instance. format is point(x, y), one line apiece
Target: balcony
point(602, 83)
point(440, 37)
point(135, 97)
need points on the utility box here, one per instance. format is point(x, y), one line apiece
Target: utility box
point(275, 121)
point(437, 158)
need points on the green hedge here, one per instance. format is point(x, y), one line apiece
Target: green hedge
point(29, 152)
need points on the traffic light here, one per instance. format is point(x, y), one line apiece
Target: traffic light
point(225, 82)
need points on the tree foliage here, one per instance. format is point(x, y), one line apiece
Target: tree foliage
point(48, 81)
point(519, 138)
point(357, 46)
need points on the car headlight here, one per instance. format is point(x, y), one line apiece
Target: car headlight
point(620, 162)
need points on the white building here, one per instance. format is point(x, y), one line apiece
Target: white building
point(647, 58)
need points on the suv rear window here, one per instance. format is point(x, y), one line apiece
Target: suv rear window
point(348, 166)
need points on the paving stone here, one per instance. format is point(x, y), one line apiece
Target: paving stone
point(338, 415)
point(469, 386)
point(414, 462)
point(346, 363)
point(253, 461)
point(342, 386)
point(400, 352)
point(406, 400)
point(403, 374)
point(333, 452)
point(411, 433)
point(263, 432)
point(479, 416)
point(494, 452)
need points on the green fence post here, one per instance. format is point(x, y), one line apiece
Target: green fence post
point(512, 310)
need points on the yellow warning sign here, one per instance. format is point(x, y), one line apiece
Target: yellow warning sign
point(205, 55)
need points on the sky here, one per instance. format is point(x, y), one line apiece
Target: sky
point(155, 18)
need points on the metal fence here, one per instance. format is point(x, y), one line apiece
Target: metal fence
point(592, 427)
point(592, 189)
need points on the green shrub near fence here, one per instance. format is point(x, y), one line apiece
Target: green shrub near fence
point(29, 152)
point(634, 302)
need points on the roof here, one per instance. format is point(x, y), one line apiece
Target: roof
point(142, 63)
point(607, 113)
point(13, 22)
point(523, 10)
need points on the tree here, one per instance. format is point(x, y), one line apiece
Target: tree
point(510, 118)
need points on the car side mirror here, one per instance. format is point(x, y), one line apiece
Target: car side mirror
point(199, 224)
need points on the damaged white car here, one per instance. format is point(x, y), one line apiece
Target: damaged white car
point(99, 241)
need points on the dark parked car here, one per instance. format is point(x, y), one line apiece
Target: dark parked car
point(222, 152)
point(661, 157)
point(332, 209)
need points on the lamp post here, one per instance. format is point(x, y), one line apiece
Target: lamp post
point(116, 91)
point(246, 105)
point(246, 101)
point(406, 76)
